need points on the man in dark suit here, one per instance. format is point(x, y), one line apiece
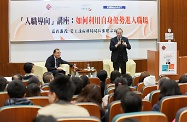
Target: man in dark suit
point(53, 63)
point(118, 46)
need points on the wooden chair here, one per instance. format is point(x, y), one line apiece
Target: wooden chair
point(146, 105)
point(110, 85)
point(20, 113)
point(136, 80)
point(3, 97)
point(92, 108)
point(39, 100)
point(45, 88)
point(140, 86)
point(79, 119)
point(183, 87)
point(44, 93)
point(138, 93)
point(114, 108)
point(109, 90)
point(171, 104)
point(154, 97)
point(148, 89)
point(110, 98)
point(132, 88)
point(181, 115)
point(149, 116)
point(25, 82)
point(107, 81)
point(95, 81)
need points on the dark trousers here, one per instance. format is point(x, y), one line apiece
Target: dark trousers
point(120, 63)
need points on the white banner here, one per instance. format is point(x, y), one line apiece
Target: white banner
point(82, 20)
point(167, 58)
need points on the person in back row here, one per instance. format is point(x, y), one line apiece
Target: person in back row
point(60, 96)
point(29, 69)
point(53, 63)
point(47, 78)
point(16, 91)
point(3, 82)
point(102, 75)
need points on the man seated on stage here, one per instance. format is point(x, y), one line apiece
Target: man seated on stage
point(53, 63)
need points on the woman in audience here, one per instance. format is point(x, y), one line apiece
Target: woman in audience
point(78, 84)
point(129, 78)
point(85, 80)
point(113, 75)
point(102, 75)
point(143, 75)
point(168, 88)
point(91, 93)
point(183, 79)
point(32, 90)
point(120, 91)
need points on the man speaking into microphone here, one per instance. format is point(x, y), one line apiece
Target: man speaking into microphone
point(118, 46)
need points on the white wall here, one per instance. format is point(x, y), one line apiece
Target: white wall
point(87, 50)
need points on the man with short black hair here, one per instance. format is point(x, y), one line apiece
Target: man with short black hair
point(16, 91)
point(129, 78)
point(131, 102)
point(53, 63)
point(29, 69)
point(61, 92)
point(3, 82)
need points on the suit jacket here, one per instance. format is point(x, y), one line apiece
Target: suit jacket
point(120, 50)
point(50, 63)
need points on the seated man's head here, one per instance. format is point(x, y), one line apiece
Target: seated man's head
point(57, 53)
point(33, 90)
point(16, 89)
point(48, 77)
point(102, 75)
point(78, 84)
point(17, 77)
point(131, 102)
point(61, 88)
point(129, 78)
point(35, 80)
point(183, 78)
point(28, 67)
point(85, 80)
point(113, 75)
point(3, 82)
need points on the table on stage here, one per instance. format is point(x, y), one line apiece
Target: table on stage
point(89, 72)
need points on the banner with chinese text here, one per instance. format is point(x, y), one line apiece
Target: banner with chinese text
point(82, 20)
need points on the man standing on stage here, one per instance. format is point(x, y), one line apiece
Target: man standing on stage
point(118, 47)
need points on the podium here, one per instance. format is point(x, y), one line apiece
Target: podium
point(164, 61)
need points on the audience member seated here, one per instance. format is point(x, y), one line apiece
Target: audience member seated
point(32, 90)
point(60, 95)
point(91, 93)
point(85, 80)
point(120, 91)
point(34, 80)
point(78, 84)
point(160, 82)
point(143, 75)
point(29, 69)
point(16, 90)
point(118, 81)
point(17, 77)
point(114, 75)
point(47, 78)
point(131, 102)
point(168, 88)
point(3, 82)
point(43, 118)
point(129, 79)
point(102, 75)
point(183, 79)
point(149, 81)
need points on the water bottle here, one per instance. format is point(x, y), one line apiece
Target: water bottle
point(74, 66)
point(88, 66)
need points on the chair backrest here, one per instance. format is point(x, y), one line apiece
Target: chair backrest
point(109, 90)
point(39, 100)
point(44, 93)
point(95, 81)
point(149, 116)
point(183, 87)
point(154, 97)
point(132, 88)
point(140, 86)
point(110, 85)
point(146, 105)
point(21, 113)
point(181, 115)
point(171, 104)
point(3, 97)
point(107, 81)
point(45, 87)
point(138, 93)
point(79, 119)
point(148, 89)
point(110, 98)
point(114, 108)
point(25, 82)
point(92, 108)
point(136, 80)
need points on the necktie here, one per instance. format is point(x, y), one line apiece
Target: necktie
point(56, 63)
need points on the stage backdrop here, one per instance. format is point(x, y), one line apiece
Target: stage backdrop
point(82, 20)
